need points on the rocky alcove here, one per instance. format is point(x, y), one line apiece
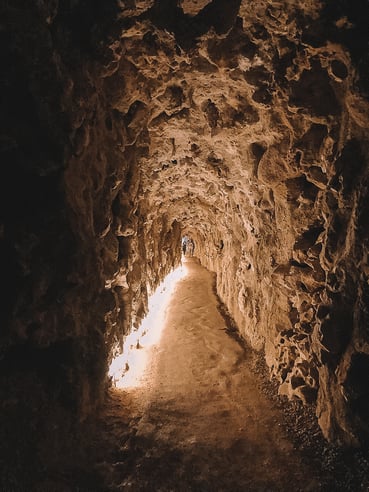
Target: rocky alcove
point(127, 124)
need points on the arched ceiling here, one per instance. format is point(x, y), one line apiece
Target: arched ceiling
point(213, 102)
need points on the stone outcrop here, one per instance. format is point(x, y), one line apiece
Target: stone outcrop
point(242, 123)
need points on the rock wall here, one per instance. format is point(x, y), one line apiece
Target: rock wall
point(79, 250)
point(126, 125)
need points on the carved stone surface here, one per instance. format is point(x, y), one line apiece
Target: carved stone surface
point(244, 124)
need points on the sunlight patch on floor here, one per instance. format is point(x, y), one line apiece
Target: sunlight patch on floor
point(127, 369)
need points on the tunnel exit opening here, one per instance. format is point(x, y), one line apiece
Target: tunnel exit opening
point(188, 245)
point(127, 369)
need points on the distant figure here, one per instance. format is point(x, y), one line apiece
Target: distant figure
point(190, 247)
point(184, 244)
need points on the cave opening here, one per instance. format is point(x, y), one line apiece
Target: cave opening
point(188, 245)
point(126, 126)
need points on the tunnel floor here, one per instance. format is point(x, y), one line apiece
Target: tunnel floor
point(199, 421)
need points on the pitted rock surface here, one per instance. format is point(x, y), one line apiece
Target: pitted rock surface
point(253, 145)
point(129, 124)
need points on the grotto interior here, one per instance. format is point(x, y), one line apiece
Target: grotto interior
point(125, 125)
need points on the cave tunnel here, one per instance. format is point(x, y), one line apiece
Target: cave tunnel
point(126, 125)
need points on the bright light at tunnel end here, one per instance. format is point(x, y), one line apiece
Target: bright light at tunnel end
point(128, 369)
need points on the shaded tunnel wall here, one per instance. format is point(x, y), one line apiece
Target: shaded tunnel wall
point(86, 225)
point(78, 251)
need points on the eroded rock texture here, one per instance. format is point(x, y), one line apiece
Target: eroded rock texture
point(243, 123)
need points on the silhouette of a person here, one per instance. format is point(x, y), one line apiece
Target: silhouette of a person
point(184, 244)
point(190, 247)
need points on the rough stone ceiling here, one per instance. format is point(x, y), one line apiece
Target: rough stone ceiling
point(196, 115)
point(210, 109)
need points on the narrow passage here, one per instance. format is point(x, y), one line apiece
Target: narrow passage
point(199, 421)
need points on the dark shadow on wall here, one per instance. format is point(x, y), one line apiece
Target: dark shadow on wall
point(346, 22)
point(218, 14)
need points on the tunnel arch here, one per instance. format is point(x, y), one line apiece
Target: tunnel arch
point(145, 121)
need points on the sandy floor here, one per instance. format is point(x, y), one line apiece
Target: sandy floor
point(199, 421)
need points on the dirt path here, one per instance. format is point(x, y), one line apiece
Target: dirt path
point(199, 422)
